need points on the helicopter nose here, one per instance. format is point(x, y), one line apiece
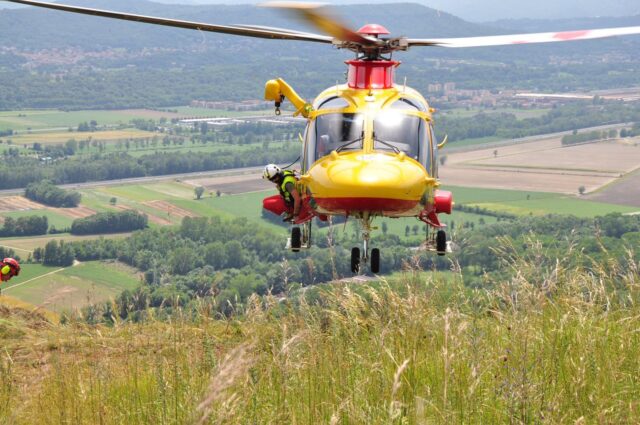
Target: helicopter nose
point(368, 182)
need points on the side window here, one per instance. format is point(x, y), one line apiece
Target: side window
point(408, 105)
point(305, 148)
point(334, 102)
point(430, 161)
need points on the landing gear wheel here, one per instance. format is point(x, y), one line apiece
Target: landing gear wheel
point(375, 260)
point(441, 242)
point(296, 239)
point(355, 260)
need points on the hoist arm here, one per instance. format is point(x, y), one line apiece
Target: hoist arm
point(278, 90)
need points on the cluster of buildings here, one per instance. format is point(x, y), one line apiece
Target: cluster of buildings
point(245, 105)
point(447, 93)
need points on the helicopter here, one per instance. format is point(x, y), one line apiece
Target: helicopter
point(369, 148)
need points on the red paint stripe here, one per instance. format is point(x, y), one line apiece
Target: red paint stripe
point(570, 35)
point(340, 205)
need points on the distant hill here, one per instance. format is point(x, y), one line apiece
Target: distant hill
point(97, 62)
point(472, 10)
point(491, 10)
point(18, 27)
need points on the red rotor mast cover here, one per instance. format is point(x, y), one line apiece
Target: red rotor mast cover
point(376, 74)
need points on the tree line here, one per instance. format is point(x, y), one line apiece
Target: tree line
point(110, 222)
point(577, 138)
point(508, 126)
point(47, 193)
point(22, 171)
point(25, 226)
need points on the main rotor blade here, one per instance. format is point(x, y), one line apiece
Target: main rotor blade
point(545, 37)
point(247, 31)
point(318, 15)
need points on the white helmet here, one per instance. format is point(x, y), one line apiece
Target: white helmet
point(270, 171)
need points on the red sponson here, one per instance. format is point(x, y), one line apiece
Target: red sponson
point(371, 74)
point(443, 201)
point(347, 205)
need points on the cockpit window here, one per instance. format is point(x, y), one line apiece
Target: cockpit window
point(398, 132)
point(329, 132)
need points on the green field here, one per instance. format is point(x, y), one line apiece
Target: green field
point(35, 119)
point(471, 142)
point(50, 118)
point(25, 245)
point(536, 203)
point(57, 220)
point(60, 137)
point(71, 288)
point(249, 205)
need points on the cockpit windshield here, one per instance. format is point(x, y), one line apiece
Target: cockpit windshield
point(339, 132)
point(395, 131)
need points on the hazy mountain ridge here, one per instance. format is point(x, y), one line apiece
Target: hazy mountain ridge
point(37, 29)
point(109, 57)
point(17, 26)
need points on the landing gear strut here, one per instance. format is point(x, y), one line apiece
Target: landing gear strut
point(436, 241)
point(300, 237)
point(373, 256)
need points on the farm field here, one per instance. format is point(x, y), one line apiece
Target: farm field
point(233, 184)
point(536, 203)
point(25, 245)
point(59, 137)
point(59, 221)
point(168, 202)
point(59, 289)
point(623, 191)
point(543, 166)
point(50, 118)
point(470, 142)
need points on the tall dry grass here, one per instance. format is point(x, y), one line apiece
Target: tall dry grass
point(553, 344)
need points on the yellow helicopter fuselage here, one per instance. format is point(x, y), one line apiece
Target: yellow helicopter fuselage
point(384, 182)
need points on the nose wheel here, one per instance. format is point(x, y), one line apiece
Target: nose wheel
point(372, 257)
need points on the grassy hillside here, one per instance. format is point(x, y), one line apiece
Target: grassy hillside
point(59, 289)
point(555, 346)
